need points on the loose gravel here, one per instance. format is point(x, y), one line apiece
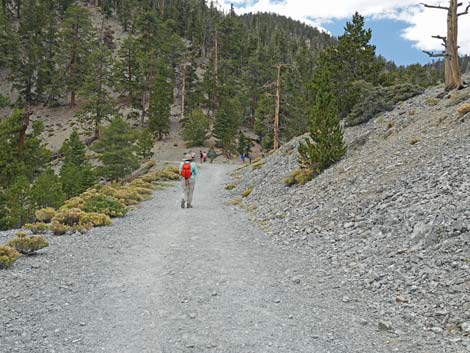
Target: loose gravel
point(166, 279)
point(391, 220)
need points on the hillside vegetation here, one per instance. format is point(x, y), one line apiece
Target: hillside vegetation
point(391, 218)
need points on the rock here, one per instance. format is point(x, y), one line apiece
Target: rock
point(465, 327)
point(385, 326)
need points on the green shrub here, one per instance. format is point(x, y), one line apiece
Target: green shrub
point(431, 102)
point(37, 228)
point(105, 204)
point(68, 217)
point(8, 256)
point(375, 100)
point(4, 101)
point(28, 245)
point(45, 214)
point(59, 228)
point(230, 186)
point(247, 192)
point(299, 176)
point(96, 219)
point(457, 98)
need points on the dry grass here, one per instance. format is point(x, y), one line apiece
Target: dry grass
point(463, 109)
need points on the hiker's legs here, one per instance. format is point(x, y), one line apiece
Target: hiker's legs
point(185, 195)
point(192, 183)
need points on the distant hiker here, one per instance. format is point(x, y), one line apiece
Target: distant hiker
point(204, 157)
point(243, 157)
point(212, 155)
point(193, 155)
point(201, 156)
point(248, 155)
point(188, 172)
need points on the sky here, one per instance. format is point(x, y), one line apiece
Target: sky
point(401, 29)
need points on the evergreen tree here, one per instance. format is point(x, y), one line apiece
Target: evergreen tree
point(127, 73)
point(244, 144)
point(228, 120)
point(160, 103)
point(17, 209)
point(325, 145)
point(74, 48)
point(76, 173)
point(98, 104)
point(47, 190)
point(196, 128)
point(116, 150)
point(145, 144)
point(264, 115)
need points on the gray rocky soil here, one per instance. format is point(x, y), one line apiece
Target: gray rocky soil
point(164, 279)
point(391, 219)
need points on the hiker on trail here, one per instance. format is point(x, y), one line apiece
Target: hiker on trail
point(201, 156)
point(204, 157)
point(188, 172)
point(243, 158)
point(212, 155)
point(249, 156)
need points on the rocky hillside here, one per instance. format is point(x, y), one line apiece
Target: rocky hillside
point(391, 220)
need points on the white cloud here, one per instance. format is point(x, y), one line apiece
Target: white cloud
point(423, 23)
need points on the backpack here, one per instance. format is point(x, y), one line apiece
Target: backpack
point(186, 170)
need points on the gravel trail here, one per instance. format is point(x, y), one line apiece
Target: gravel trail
point(169, 280)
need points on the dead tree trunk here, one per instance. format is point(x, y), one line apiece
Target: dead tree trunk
point(450, 43)
point(24, 127)
point(183, 90)
point(277, 100)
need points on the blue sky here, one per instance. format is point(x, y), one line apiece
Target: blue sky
point(386, 37)
point(402, 29)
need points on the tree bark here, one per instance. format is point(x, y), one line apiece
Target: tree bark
point(183, 90)
point(24, 127)
point(452, 79)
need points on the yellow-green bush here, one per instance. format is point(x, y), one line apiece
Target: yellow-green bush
point(45, 214)
point(431, 102)
point(59, 228)
point(457, 98)
point(258, 165)
point(464, 109)
point(68, 217)
point(37, 227)
point(230, 186)
point(8, 256)
point(141, 184)
point(106, 204)
point(81, 228)
point(96, 219)
point(28, 245)
point(299, 176)
point(247, 192)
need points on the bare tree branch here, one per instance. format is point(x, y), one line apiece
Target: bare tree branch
point(435, 55)
point(464, 12)
point(444, 39)
point(435, 7)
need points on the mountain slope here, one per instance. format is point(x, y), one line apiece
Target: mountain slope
point(392, 218)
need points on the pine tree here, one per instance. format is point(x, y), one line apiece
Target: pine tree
point(196, 128)
point(47, 190)
point(116, 150)
point(228, 121)
point(160, 103)
point(145, 144)
point(127, 72)
point(76, 38)
point(98, 104)
point(325, 145)
point(76, 173)
point(244, 144)
point(263, 126)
